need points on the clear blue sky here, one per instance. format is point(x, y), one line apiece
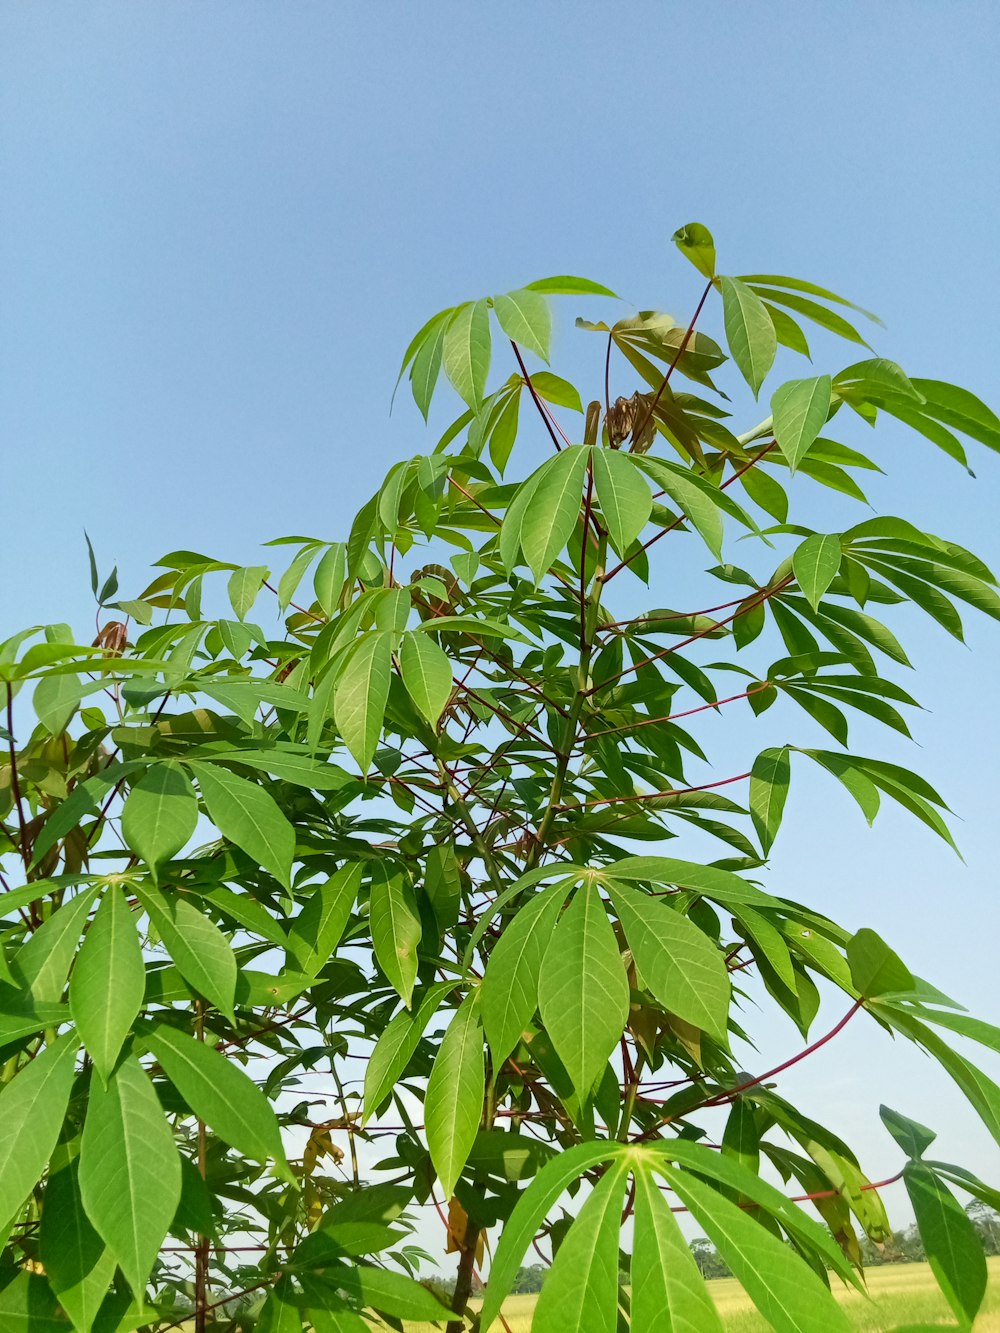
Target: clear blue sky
point(222, 221)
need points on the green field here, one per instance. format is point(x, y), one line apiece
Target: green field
point(901, 1294)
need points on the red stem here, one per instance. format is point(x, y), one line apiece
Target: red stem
point(538, 402)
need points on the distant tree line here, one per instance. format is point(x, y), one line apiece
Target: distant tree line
point(904, 1247)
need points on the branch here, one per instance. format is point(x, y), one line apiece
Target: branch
point(538, 402)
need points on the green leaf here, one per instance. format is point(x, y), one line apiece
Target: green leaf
point(583, 993)
point(749, 331)
point(396, 929)
point(244, 586)
point(800, 409)
point(361, 694)
point(785, 1290)
point(426, 369)
point(980, 1091)
point(78, 1264)
point(281, 1312)
point(556, 390)
point(42, 964)
point(954, 1250)
point(913, 1138)
point(697, 244)
point(249, 816)
point(565, 285)
point(316, 931)
point(293, 575)
point(130, 1173)
point(443, 885)
point(108, 982)
point(57, 697)
point(679, 964)
point(525, 318)
point(623, 494)
point(530, 1211)
point(510, 984)
point(769, 782)
point(552, 509)
point(580, 1292)
point(201, 951)
point(702, 509)
point(815, 564)
point(32, 1108)
point(426, 672)
point(467, 351)
point(453, 1106)
point(395, 1047)
point(27, 1304)
point(961, 410)
point(328, 581)
point(875, 969)
point(668, 1291)
point(800, 285)
point(221, 1094)
point(160, 814)
point(396, 1295)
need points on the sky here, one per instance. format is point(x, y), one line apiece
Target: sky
point(221, 224)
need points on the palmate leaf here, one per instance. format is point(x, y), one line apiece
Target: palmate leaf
point(783, 1287)
point(221, 1094)
point(502, 745)
point(361, 694)
point(249, 816)
point(679, 964)
point(395, 928)
point(528, 1215)
point(32, 1107)
point(580, 1293)
point(550, 510)
point(78, 1264)
point(201, 951)
point(749, 331)
point(525, 318)
point(951, 1243)
point(130, 1173)
point(623, 495)
point(453, 1106)
point(109, 981)
point(815, 564)
point(668, 1290)
point(160, 814)
point(583, 992)
point(510, 984)
point(769, 783)
point(466, 351)
point(800, 409)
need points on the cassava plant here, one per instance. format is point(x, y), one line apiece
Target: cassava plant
point(337, 919)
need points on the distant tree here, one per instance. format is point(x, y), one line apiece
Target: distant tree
point(986, 1220)
point(708, 1259)
point(529, 1279)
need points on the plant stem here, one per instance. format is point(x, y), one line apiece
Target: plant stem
point(201, 1253)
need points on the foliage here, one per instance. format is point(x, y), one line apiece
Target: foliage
point(402, 838)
